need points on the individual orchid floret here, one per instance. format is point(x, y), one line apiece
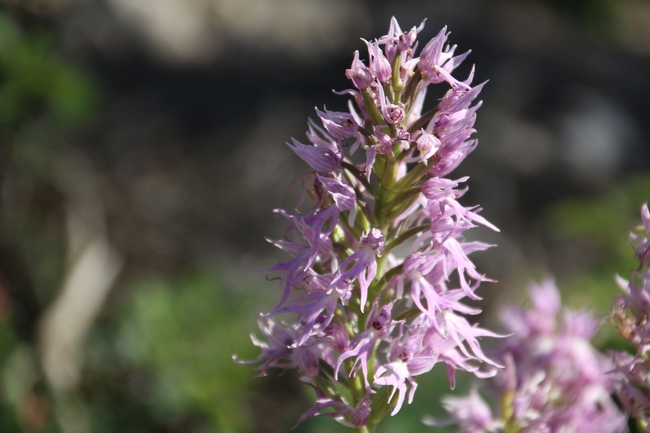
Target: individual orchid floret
point(344, 196)
point(309, 238)
point(339, 125)
point(408, 357)
point(280, 351)
point(463, 333)
point(363, 264)
point(418, 267)
point(457, 100)
point(393, 114)
point(357, 320)
point(317, 309)
point(359, 73)
point(437, 61)
point(428, 145)
point(416, 351)
point(378, 325)
point(631, 316)
point(406, 40)
point(379, 64)
point(554, 380)
point(321, 159)
point(451, 156)
point(453, 124)
point(398, 41)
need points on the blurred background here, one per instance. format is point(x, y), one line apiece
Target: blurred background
point(142, 152)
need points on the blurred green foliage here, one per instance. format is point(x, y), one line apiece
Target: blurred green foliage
point(589, 10)
point(39, 93)
point(33, 77)
point(8, 343)
point(173, 340)
point(601, 225)
point(44, 100)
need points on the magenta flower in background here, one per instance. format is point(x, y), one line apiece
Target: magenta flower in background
point(631, 316)
point(357, 319)
point(554, 380)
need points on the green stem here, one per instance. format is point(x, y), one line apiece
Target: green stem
point(372, 108)
point(422, 120)
point(378, 285)
point(510, 422)
point(390, 172)
point(410, 91)
point(369, 215)
point(354, 230)
point(407, 314)
point(402, 202)
point(356, 383)
point(380, 203)
point(378, 168)
point(411, 178)
point(353, 170)
point(388, 90)
point(395, 81)
point(405, 236)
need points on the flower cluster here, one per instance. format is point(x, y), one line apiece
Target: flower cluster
point(359, 320)
point(631, 315)
point(553, 380)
